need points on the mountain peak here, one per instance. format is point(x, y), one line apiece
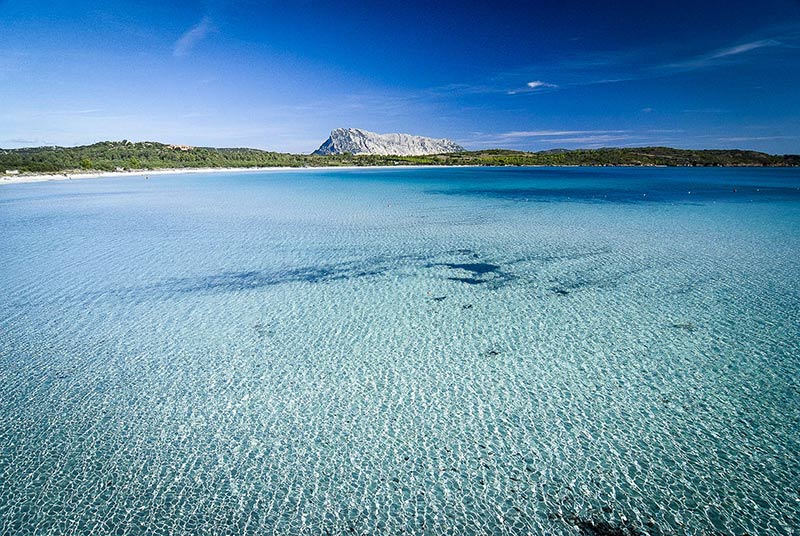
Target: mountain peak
point(358, 141)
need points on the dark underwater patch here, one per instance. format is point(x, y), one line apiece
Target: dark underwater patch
point(255, 279)
point(479, 273)
point(477, 268)
point(244, 280)
point(469, 280)
point(686, 326)
point(599, 527)
point(594, 524)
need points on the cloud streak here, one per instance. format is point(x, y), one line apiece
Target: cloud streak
point(526, 139)
point(746, 47)
point(184, 45)
point(718, 56)
point(536, 84)
point(592, 140)
point(589, 68)
point(533, 86)
point(515, 134)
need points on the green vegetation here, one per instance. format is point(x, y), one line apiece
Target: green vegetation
point(111, 156)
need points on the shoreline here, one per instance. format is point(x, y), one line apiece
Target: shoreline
point(51, 177)
point(61, 176)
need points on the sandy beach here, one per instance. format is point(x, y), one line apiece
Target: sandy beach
point(45, 177)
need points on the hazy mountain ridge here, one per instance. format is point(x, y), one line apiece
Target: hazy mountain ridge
point(357, 141)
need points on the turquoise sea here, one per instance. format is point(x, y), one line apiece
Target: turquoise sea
point(402, 351)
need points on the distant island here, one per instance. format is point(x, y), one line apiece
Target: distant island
point(358, 141)
point(124, 155)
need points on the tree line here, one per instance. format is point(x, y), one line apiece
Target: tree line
point(125, 155)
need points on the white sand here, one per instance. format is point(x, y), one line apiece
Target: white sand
point(23, 178)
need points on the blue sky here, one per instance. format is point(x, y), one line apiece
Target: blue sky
point(521, 75)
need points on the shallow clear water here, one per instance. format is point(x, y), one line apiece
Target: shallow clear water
point(437, 351)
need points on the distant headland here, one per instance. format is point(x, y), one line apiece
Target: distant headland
point(358, 141)
point(355, 147)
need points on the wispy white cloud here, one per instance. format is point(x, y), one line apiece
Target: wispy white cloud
point(746, 47)
point(593, 139)
point(588, 68)
point(756, 138)
point(464, 89)
point(536, 84)
point(23, 142)
point(720, 55)
point(526, 139)
point(545, 133)
point(537, 140)
point(184, 45)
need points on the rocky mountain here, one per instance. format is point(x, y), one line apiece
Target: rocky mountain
point(357, 141)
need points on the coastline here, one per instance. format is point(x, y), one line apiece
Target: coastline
point(49, 177)
point(60, 176)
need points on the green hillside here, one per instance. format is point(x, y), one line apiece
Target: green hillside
point(111, 155)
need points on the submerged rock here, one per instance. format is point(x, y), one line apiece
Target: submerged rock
point(477, 268)
point(598, 527)
point(469, 280)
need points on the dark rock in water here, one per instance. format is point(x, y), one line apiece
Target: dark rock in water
point(477, 268)
point(468, 280)
point(598, 527)
point(593, 526)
